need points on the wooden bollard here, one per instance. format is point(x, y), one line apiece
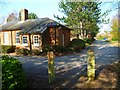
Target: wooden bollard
point(51, 70)
point(90, 65)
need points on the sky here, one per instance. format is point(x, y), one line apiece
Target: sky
point(112, 14)
point(45, 8)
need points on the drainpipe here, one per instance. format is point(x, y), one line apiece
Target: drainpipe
point(11, 39)
point(30, 46)
point(55, 35)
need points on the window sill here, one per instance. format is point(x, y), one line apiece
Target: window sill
point(24, 44)
point(6, 44)
point(17, 43)
point(36, 45)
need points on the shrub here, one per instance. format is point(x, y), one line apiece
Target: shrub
point(36, 52)
point(0, 49)
point(89, 41)
point(22, 51)
point(18, 51)
point(115, 39)
point(59, 49)
point(13, 76)
point(46, 48)
point(76, 45)
point(8, 49)
point(107, 40)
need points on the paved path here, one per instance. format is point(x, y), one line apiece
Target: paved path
point(70, 66)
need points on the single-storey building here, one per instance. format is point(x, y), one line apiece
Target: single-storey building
point(34, 33)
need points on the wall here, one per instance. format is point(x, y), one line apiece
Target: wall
point(1, 38)
point(38, 47)
point(12, 40)
point(54, 36)
point(11, 35)
point(66, 37)
point(40, 42)
point(46, 38)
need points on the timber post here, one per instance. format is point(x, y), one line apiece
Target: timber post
point(90, 65)
point(51, 70)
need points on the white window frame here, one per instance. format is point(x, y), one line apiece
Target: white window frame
point(6, 38)
point(23, 37)
point(36, 40)
point(17, 37)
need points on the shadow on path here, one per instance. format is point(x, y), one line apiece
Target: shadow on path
point(69, 78)
point(98, 70)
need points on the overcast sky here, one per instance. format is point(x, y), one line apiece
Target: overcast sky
point(44, 8)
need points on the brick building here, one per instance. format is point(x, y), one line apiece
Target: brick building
point(33, 33)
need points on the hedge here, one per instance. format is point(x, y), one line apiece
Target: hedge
point(89, 41)
point(8, 48)
point(76, 45)
point(22, 51)
point(59, 49)
point(13, 77)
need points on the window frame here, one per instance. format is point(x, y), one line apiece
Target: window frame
point(24, 44)
point(36, 40)
point(17, 37)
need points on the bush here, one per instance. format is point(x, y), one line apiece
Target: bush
point(47, 48)
point(76, 45)
point(107, 40)
point(115, 39)
point(59, 49)
point(89, 41)
point(22, 51)
point(8, 49)
point(36, 52)
point(13, 76)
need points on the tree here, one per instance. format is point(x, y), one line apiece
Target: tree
point(81, 16)
point(115, 32)
point(12, 17)
point(32, 16)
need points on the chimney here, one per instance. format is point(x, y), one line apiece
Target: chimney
point(23, 14)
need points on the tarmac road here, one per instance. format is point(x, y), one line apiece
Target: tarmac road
point(71, 66)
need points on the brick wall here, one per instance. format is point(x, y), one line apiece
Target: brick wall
point(44, 39)
point(49, 38)
point(66, 37)
point(12, 39)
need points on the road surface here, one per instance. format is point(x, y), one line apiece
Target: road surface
point(69, 67)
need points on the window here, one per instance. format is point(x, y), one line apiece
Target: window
point(36, 40)
point(24, 39)
point(6, 38)
point(17, 38)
